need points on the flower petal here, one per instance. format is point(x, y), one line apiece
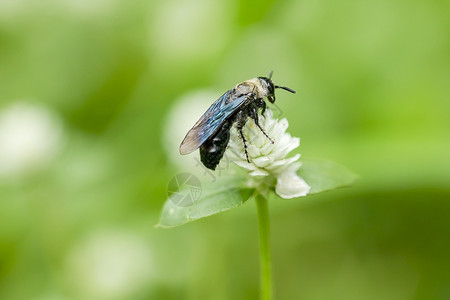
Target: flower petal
point(246, 165)
point(290, 185)
point(262, 161)
point(259, 172)
point(253, 151)
point(279, 130)
point(287, 144)
point(283, 162)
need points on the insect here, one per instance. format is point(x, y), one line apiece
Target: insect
point(211, 133)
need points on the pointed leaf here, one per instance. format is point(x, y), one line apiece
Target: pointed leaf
point(221, 195)
point(323, 175)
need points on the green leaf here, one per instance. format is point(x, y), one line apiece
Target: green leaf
point(230, 192)
point(322, 175)
point(221, 195)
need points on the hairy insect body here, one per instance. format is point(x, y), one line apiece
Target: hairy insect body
point(212, 132)
point(252, 86)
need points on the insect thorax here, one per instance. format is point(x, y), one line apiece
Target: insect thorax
point(252, 86)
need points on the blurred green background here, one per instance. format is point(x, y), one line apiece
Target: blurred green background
point(85, 91)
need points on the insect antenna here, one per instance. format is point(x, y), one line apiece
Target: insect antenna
point(285, 88)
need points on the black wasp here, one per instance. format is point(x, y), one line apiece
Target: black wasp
point(211, 133)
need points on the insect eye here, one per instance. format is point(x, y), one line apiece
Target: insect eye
point(271, 88)
point(268, 84)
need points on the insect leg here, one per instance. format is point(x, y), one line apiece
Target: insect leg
point(241, 120)
point(260, 103)
point(254, 116)
point(263, 106)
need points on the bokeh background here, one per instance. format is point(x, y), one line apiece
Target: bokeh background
point(87, 89)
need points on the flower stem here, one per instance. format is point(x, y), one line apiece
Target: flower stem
point(264, 247)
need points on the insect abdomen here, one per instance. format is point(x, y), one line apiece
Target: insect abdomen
point(211, 152)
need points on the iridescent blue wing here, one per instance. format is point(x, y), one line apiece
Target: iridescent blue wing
point(210, 122)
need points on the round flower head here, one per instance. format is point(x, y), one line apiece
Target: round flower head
point(269, 159)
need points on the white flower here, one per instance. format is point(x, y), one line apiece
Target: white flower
point(30, 137)
point(110, 264)
point(267, 159)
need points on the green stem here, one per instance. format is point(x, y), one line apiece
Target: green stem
point(264, 247)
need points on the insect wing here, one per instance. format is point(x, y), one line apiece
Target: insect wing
point(210, 122)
